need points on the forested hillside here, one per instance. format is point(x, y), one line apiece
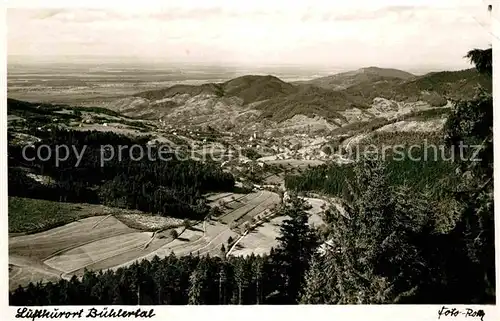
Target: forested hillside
point(276, 100)
point(345, 80)
point(393, 246)
point(434, 87)
point(134, 179)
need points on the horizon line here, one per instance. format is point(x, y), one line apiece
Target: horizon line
point(44, 59)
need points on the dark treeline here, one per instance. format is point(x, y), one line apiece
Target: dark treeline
point(136, 178)
point(172, 280)
point(437, 176)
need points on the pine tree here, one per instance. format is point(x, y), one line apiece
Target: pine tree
point(347, 272)
point(297, 242)
point(222, 282)
point(471, 122)
point(316, 289)
point(195, 288)
point(257, 273)
point(239, 278)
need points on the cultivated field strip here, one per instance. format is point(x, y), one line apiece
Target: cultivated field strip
point(44, 244)
point(189, 236)
point(244, 207)
point(233, 200)
point(270, 201)
point(88, 254)
point(214, 246)
point(131, 255)
point(215, 233)
point(23, 275)
point(246, 204)
point(192, 242)
point(23, 270)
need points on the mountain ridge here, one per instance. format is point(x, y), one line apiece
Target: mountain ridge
point(253, 100)
point(347, 79)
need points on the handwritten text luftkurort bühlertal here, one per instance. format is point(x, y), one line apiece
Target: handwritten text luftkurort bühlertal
point(56, 313)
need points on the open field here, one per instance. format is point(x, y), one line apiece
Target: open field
point(260, 240)
point(318, 205)
point(204, 238)
point(113, 238)
point(90, 253)
point(243, 210)
point(209, 242)
point(27, 253)
point(63, 238)
point(106, 242)
point(119, 257)
point(94, 243)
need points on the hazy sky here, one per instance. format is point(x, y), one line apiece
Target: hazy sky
point(381, 33)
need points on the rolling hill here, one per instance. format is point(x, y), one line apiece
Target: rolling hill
point(435, 88)
point(265, 102)
point(364, 75)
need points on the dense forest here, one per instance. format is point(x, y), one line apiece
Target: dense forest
point(137, 178)
point(392, 246)
point(436, 176)
point(389, 246)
